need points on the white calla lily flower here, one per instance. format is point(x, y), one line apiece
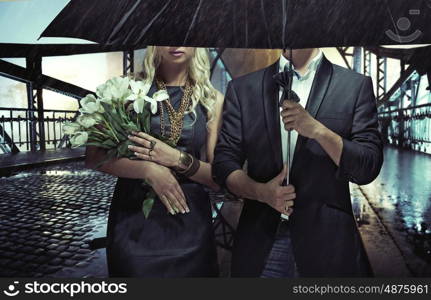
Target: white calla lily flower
point(139, 90)
point(161, 95)
point(140, 87)
point(90, 105)
point(70, 128)
point(79, 139)
point(138, 105)
point(115, 89)
point(153, 104)
point(86, 120)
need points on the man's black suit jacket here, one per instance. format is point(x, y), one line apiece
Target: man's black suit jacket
point(324, 234)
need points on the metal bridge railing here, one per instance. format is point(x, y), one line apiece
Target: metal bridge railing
point(408, 127)
point(17, 124)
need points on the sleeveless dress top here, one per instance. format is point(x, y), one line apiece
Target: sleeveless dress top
point(164, 245)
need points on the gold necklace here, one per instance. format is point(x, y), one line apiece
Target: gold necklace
point(176, 118)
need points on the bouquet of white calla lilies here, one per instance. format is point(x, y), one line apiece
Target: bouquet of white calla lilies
point(120, 106)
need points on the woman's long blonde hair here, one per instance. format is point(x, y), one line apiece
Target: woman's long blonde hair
point(198, 72)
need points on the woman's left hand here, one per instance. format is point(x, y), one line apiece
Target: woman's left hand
point(151, 149)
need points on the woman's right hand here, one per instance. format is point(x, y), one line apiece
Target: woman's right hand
point(167, 188)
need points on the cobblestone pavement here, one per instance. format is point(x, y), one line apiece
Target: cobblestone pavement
point(53, 221)
point(48, 220)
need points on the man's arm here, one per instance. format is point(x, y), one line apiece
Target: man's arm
point(360, 157)
point(229, 160)
point(228, 154)
point(331, 142)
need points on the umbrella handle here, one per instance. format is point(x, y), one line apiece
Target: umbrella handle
point(289, 140)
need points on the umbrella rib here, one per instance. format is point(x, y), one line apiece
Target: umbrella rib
point(144, 31)
point(246, 24)
point(283, 3)
point(265, 21)
point(123, 20)
point(192, 24)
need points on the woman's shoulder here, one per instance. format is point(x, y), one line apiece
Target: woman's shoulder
point(219, 100)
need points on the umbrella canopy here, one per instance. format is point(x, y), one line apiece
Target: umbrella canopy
point(245, 23)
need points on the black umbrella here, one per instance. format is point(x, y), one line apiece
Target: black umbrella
point(245, 23)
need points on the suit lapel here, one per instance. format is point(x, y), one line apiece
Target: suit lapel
point(270, 94)
point(318, 91)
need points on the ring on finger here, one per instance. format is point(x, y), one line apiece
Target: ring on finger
point(152, 144)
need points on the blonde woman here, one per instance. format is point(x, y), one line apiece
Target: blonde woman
point(176, 240)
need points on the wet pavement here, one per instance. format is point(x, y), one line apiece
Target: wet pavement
point(53, 223)
point(401, 197)
point(52, 219)
point(49, 218)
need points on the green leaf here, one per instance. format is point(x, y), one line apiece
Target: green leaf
point(115, 121)
point(130, 127)
point(106, 106)
point(109, 143)
point(123, 149)
point(147, 205)
point(145, 120)
point(99, 145)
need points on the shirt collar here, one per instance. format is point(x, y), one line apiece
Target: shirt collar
point(312, 66)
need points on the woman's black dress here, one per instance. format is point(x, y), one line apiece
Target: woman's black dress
point(163, 245)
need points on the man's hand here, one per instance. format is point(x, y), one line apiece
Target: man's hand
point(295, 117)
point(277, 196)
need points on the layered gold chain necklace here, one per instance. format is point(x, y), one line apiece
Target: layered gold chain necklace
point(176, 118)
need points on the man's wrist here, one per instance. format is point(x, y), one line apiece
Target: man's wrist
point(259, 191)
point(321, 132)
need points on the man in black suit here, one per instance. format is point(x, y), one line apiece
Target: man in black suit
point(338, 142)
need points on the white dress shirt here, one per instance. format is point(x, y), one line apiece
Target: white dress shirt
point(302, 87)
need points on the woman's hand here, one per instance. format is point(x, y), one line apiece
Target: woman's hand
point(167, 188)
point(152, 149)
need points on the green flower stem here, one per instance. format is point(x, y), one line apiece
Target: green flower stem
point(98, 132)
point(112, 131)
